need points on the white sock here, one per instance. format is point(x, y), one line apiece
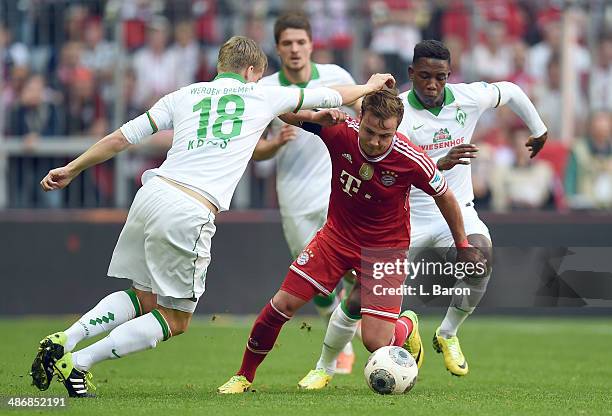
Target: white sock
point(348, 348)
point(340, 331)
point(112, 311)
point(136, 335)
point(463, 305)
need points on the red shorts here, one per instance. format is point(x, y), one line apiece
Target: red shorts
point(324, 261)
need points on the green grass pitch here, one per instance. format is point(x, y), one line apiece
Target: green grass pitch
point(518, 366)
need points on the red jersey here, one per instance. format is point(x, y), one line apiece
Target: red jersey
point(368, 205)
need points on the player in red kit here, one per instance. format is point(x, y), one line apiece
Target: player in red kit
point(373, 168)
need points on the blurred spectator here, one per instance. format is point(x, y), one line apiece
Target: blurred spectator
point(186, 53)
point(507, 12)
point(548, 100)
point(98, 55)
point(331, 28)
point(11, 53)
point(540, 54)
point(84, 109)
point(11, 91)
point(519, 74)
point(394, 34)
point(601, 77)
point(207, 21)
point(155, 66)
point(456, 48)
point(589, 171)
point(76, 22)
point(69, 63)
point(492, 58)
point(526, 184)
point(257, 30)
point(136, 14)
point(33, 117)
point(374, 63)
point(34, 114)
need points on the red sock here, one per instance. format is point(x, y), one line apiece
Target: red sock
point(403, 328)
point(265, 330)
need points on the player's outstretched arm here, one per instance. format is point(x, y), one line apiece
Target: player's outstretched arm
point(449, 208)
point(517, 100)
point(101, 151)
point(326, 118)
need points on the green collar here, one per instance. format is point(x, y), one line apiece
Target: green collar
point(416, 103)
point(230, 75)
point(314, 74)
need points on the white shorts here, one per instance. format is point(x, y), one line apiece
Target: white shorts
point(432, 230)
point(299, 230)
point(165, 245)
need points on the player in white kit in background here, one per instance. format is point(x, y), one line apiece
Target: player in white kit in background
point(440, 118)
point(164, 247)
point(303, 167)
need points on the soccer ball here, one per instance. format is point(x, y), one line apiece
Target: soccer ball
point(391, 370)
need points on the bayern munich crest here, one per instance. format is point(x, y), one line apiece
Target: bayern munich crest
point(304, 257)
point(388, 177)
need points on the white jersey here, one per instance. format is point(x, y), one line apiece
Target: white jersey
point(437, 130)
point(216, 127)
point(303, 166)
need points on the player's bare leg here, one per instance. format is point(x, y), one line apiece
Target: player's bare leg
point(445, 338)
point(264, 333)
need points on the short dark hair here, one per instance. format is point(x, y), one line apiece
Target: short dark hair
point(291, 20)
point(383, 104)
point(433, 49)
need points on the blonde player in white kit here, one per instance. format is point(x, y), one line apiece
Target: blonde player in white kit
point(440, 118)
point(164, 247)
point(303, 166)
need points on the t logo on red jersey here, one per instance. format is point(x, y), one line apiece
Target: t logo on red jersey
point(348, 180)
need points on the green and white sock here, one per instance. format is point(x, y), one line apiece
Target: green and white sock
point(112, 311)
point(348, 282)
point(462, 306)
point(340, 331)
point(325, 305)
point(139, 334)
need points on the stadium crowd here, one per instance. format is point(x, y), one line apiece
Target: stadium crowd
point(59, 63)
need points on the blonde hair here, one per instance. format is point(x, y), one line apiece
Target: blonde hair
point(240, 52)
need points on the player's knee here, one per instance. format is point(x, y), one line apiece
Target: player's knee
point(148, 300)
point(287, 303)
point(373, 342)
point(178, 321)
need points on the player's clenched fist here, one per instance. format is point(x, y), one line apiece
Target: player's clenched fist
point(286, 134)
point(379, 81)
point(329, 117)
point(57, 178)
